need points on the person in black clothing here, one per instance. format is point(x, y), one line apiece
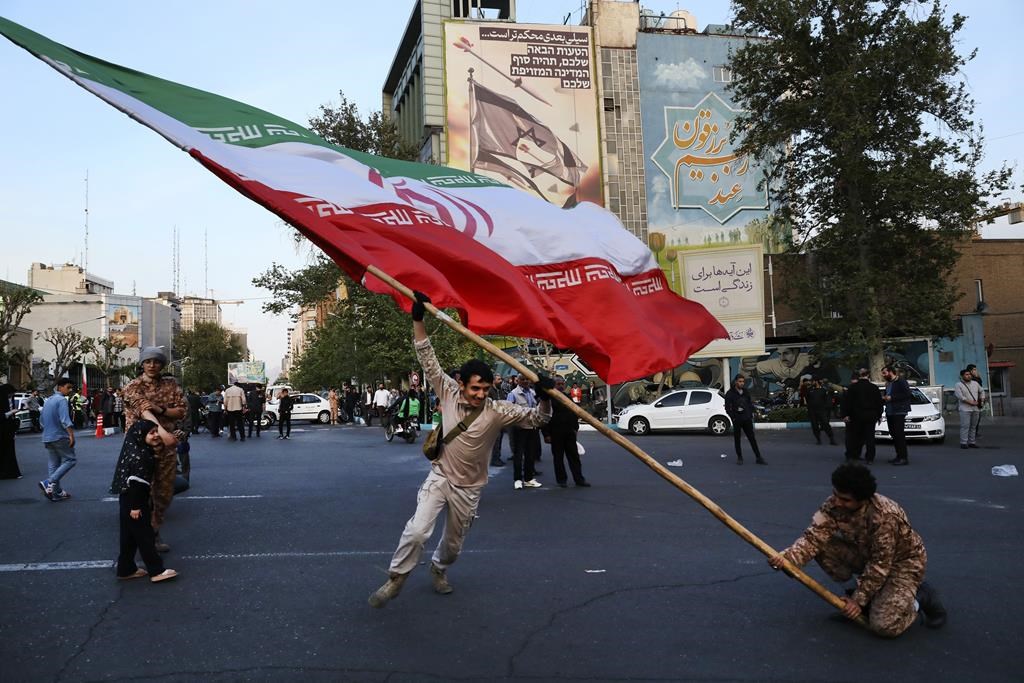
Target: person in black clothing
point(897, 407)
point(351, 398)
point(741, 411)
point(284, 415)
point(135, 469)
point(254, 404)
point(560, 432)
point(819, 405)
point(194, 412)
point(862, 409)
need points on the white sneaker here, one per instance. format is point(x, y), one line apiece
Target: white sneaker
point(532, 484)
point(518, 485)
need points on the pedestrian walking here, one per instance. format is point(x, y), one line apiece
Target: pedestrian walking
point(285, 404)
point(118, 411)
point(351, 398)
point(863, 407)
point(59, 441)
point(819, 408)
point(8, 428)
point(154, 397)
point(861, 535)
point(195, 405)
point(976, 376)
point(133, 475)
point(740, 408)
point(560, 432)
point(970, 397)
point(381, 401)
point(35, 406)
point(498, 392)
point(254, 401)
point(332, 399)
point(368, 405)
point(897, 407)
point(525, 440)
point(459, 473)
point(234, 409)
point(215, 412)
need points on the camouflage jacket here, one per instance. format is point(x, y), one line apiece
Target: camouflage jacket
point(879, 532)
point(142, 394)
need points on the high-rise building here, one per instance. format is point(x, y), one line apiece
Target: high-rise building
point(195, 309)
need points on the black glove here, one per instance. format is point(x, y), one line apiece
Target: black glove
point(545, 382)
point(418, 309)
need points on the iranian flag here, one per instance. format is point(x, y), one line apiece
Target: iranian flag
point(510, 263)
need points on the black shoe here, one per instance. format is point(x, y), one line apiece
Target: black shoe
point(761, 461)
point(899, 462)
point(817, 440)
point(973, 445)
point(931, 607)
point(963, 446)
point(497, 463)
point(563, 485)
point(832, 442)
point(583, 484)
point(537, 473)
point(739, 459)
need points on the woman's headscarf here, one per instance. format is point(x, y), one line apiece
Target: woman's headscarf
point(136, 460)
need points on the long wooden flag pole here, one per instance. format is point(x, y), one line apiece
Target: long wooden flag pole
point(632, 448)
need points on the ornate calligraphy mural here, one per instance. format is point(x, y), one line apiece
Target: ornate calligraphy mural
point(703, 170)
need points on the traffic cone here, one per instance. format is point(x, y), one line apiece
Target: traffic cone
point(99, 426)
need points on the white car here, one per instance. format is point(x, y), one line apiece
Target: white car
point(924, 423)
point(702, 409)
point(306, 407)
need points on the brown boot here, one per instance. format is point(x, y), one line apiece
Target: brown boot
point(389, 591)
point(440, 580)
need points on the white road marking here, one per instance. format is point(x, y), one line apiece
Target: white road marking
point(113, 499)
point(109, 564)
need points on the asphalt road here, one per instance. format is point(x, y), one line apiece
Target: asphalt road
point(279, 544)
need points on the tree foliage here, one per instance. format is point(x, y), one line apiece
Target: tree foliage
point(69, 345)
point(15, 303)
point(344, 125)
point(369, 338)
point(107, 356)
point(879, 176)
point(205, 351)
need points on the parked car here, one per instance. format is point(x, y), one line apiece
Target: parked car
point(307, 407)
point(924, 423)
point(702, 409)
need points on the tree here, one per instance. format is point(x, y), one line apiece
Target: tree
point(15, 303)
point(107, 355)
point(69, 345)
point(343, 125)
point(206, 350)
point(880, 177)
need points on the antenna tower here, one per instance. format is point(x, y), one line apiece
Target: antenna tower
point(85, 259)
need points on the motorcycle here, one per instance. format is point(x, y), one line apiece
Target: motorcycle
point(406, 427)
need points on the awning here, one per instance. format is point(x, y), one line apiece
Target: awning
point(1001, 364)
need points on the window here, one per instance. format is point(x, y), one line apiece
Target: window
point(309, 398)
point(722, 74)
point(672, 400)
point(699, 397)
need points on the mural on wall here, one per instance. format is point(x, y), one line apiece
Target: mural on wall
point(522, 107)
point(123, 324)
point(700, 193)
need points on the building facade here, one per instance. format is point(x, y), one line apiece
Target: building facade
point(196, 309)
point(67, 279)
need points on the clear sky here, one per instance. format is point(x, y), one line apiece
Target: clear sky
point(288, 59)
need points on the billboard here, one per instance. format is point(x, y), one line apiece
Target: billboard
point(700, 192)
point(521, 107)
point(123, 324)
point(729, 282)
point(254, 372)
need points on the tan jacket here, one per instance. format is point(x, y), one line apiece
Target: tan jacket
point(234, 398)
point(464, 460)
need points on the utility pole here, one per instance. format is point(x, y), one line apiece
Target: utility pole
point(85, 259)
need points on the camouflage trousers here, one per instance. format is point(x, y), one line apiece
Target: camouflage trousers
point(162, 490)
point(892, 609)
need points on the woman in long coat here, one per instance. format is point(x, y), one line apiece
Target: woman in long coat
point(8, 427)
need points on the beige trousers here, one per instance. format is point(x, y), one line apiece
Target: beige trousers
point(436, 493)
